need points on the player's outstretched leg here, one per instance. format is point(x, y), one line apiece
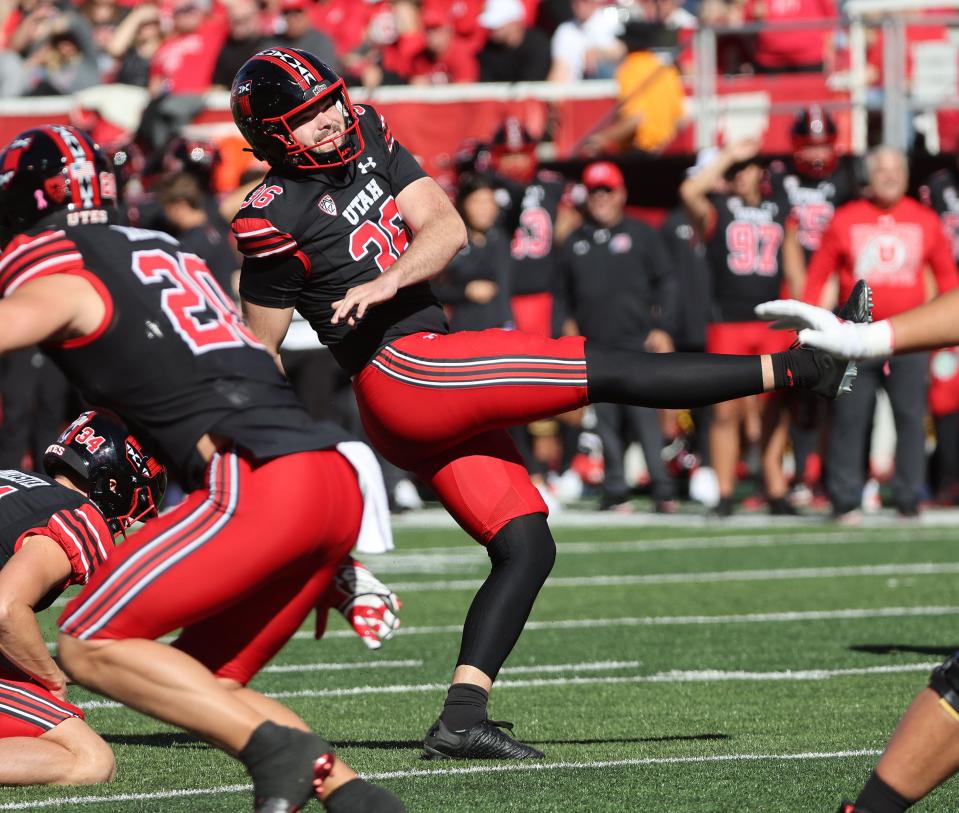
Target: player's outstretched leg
point(923, 751)
point(522, 554)
point(695, 379)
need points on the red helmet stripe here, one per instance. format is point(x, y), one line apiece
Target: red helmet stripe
point(288, 68)
point(302, 61)
point(65, 152)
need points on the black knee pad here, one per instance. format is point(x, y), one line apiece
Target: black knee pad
point(526, 544)
point(945, 682)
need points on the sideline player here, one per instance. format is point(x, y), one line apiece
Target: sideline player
point(924, 749)
point(329, 232)
point(748, 243)
point(55, 530)
point(142, 328)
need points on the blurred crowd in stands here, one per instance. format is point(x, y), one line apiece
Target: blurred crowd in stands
point(555, 253)
point(188, 46)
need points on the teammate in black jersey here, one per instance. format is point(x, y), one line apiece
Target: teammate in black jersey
point(747, 239)
point(810, 190)
point(56, 530)
point(141, 327)
point(348, 229)
point(816, 184)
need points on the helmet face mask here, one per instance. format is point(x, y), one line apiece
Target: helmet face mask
point(280, 89)
point(56, 173)
point(123, 480)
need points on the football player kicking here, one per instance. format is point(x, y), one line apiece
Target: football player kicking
point(924, 749)
point(347, 228)
point(273, 505)
point(56, 530)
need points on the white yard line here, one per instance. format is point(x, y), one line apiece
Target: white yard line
point(519, 767)
point(676, 676)
point(464, 550)
point(469, 556)
point(338, 667)
point(592, 666)
point(707, 577)
point(665, 620)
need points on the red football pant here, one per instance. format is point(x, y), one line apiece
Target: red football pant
point(27, 709)
point(239, 565)
point(438, 405)
point(746, 338)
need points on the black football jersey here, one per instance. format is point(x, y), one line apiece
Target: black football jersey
point(744, 250)
point(32, 504)
point(308, 238)
point(532, 219)
point(812, 203)
point(172, 357)
point(943, 194)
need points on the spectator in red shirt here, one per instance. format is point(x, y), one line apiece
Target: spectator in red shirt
point(184, 62)
point(443, 58)
point(799, 51)
point(892, 242)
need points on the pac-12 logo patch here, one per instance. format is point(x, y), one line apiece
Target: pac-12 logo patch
point(327, 205)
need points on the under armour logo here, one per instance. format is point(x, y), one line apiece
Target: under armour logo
point(366, 166)
point(39, 199)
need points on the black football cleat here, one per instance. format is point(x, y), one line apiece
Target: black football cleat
point(292, 791)
point(485, 740)
point(837, 375)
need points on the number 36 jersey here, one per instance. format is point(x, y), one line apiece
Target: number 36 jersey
point(171, 356)
point(307, 238)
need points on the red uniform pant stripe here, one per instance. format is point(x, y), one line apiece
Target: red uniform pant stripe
point(153, 559)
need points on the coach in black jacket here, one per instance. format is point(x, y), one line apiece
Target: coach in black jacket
point(619, 291)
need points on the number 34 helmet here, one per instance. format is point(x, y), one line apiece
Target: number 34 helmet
point(123, 479)
point(280, 89)
point(54, 170)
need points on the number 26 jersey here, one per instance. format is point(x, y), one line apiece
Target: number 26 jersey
point(307, 238)
point(171, 356)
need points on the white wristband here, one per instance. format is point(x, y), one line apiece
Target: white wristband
point(877, 340)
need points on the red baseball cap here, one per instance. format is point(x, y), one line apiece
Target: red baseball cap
point(433, 17)
point(294, 5)
point(603, 173)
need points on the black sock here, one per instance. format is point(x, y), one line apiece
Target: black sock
point(878, 797)
point(280, 760)
point(794, 368)
point(521, 556)
point(359, 796)
point(465, 706)
point(669, 379)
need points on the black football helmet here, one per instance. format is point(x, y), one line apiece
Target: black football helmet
point(51, 173)
point(279, 89)
point(100, 450)
point(513, 151)
point(814, 127)
point(197, 156)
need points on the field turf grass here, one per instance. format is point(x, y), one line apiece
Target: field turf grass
point(666, 669)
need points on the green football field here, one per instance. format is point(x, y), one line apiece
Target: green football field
point(710, 668)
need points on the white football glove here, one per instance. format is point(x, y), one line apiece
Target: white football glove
point(822, 329)
point(368, 605)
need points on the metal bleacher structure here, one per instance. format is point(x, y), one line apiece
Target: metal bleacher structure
point(918, 90)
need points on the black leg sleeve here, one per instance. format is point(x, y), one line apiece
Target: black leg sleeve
point(522, 555)
point(669, 380)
